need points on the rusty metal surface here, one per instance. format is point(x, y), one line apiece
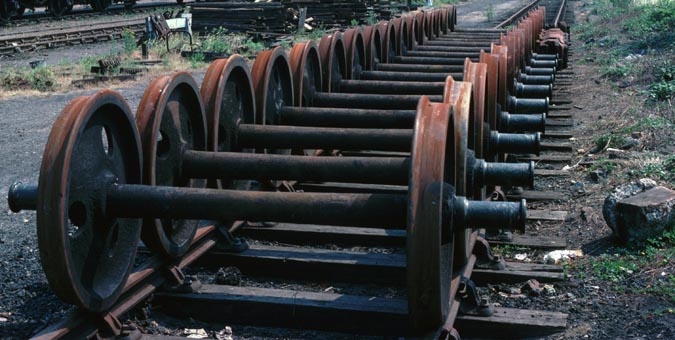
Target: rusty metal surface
point(170, 119)
point(86, 256)
point(429, 264)
point(306, 70)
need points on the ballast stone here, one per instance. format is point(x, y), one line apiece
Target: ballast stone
point(645, 215)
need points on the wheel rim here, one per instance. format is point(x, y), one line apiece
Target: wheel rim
point(492, 88)
point(389, 42)
point(429, 269)
point(306, 69)
point(334, 61)
point(374, 43)
point(273, 85)
point(171, 120)
point(227, 91)
point(460, 127)
point(86, 255)
point(356, 52)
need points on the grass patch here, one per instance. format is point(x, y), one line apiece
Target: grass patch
point(645, 268)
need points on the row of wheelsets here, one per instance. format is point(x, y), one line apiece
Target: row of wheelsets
point(411, 102)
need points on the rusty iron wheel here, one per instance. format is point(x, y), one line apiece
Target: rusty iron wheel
point(170, 120)
point(476, 74)
point(272, 85)
point(502, 52)
point(356, 52)
point(373, 40)
point(461, 111)
point(420, 18)
point(412, 32)
point(333, 61)
point(492, 88)
point(88, 257)
point(227, 91)
point(429, 255)
point(306, 70)
point(389, 42)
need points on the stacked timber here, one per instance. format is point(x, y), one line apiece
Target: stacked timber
point(331, 13)
point(240, 16)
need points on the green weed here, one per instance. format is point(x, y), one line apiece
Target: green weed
point(661, 91)
point(490, 12)
point(128, 42)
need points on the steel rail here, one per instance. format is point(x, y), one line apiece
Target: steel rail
point(144, 281)
point(561, 13)
point(68, 36)
point(519, 14)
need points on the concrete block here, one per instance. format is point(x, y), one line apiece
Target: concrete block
point(645, 215)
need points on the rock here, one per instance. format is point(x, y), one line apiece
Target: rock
point(578, 187)
point(195, 333)
point(645, 215)
point(549, 290)
point(228, 276)
point(531, 287)
point(629, 143)
point(225, 334)
point(596, 175)
point(586, 213)
point(520, 257)
point(559, 256)
point(621, 192)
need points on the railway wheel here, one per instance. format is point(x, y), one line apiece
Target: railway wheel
point(227, 90)
point(86, 255)
point(100, 5)
point(170, 119)
point(428, 245)
point(60, 7)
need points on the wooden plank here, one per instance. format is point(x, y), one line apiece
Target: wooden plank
point(288, 308)
point(559, 108)
point(546, 159)
point(550, 173)
point(546, 146)
point(536, 242)
point(532, 267)
point(512, 323)
point(312, 264)
point(322, 234)
point(559, 122)
point(547, 215)
point(532, 195)
point(488, 276)
point(559, 115)
point(557, 134)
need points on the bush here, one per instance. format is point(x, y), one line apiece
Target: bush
point(662, 90)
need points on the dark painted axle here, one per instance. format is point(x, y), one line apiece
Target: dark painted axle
point(364, 210)
point(297, 137)
point(536, 80)
point(527, 105)
point(376, 170)
point(522, 122)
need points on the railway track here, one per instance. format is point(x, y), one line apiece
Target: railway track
point(30, 19)
point(418, 194)
point(68, 36)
